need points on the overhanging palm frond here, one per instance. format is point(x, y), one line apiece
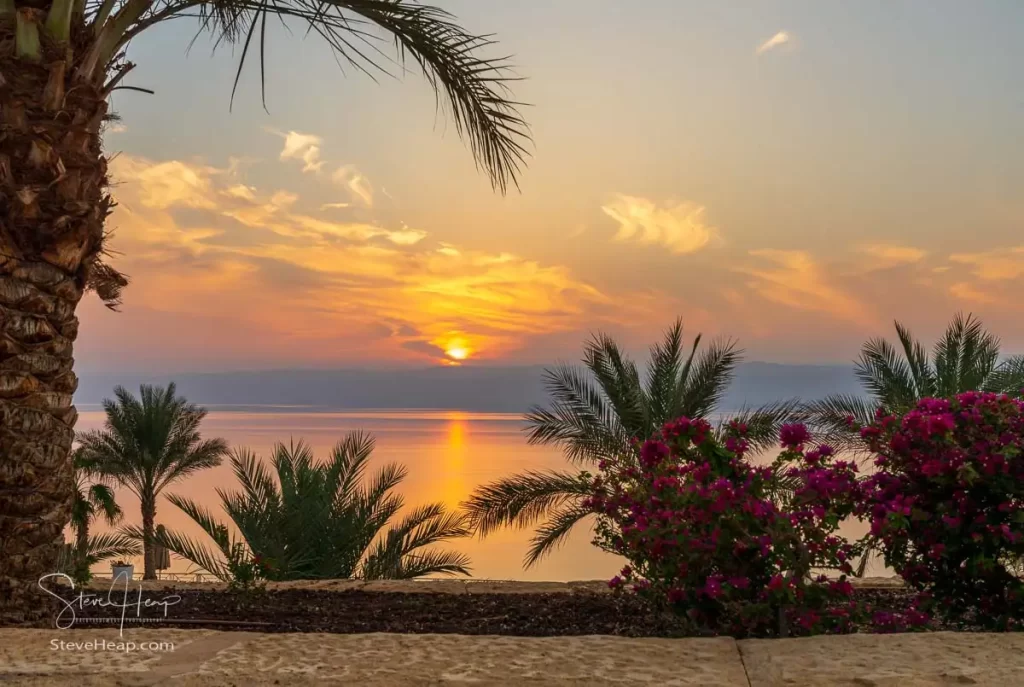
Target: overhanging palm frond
point(433, 563)
point(521, 500)
point(474, 88)
point(212, 560)
point(112, 545)
point(550, 535)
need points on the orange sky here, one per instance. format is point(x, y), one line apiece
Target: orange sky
point(761, 179)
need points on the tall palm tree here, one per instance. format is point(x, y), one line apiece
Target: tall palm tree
point(313, 520)
point(148, 443)
point(966, 358)
point(597, 413)
point(94, 498)
point(59, 62)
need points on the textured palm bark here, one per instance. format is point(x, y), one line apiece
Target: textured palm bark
point(52, 207)
point(149, 558)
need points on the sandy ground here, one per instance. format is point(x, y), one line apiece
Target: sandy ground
point(202, 657)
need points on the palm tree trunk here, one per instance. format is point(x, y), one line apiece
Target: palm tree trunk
point(52, 207)
point(82, 552)
point(148, 531)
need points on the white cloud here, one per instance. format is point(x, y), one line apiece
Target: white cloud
point(680, 227)
point(335, 206)
point(780, 38)
point(305, 147)
point(353, 180)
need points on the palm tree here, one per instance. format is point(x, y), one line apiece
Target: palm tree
point(319, 521)
point(148, 444)
point(966, 358)
point(94, 498)
point(60, 60)
point(599, 417)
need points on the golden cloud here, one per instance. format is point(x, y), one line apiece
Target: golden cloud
point(304, 147)
point(997, 265)
point(779, 39)
point(796, 280)
point(351, 179)
point(966, 292)
point(890, 255)
point(199, 243)
point(680, 227)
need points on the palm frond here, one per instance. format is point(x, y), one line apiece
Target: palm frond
point(828, 418)
point(212, 560)
point(580, 419)
point(434, 563)
point(550, 535)
point(1007, 378)
point(917, 362)
point(886, 375)
point(474, 87)
point(109, 545)
point(763, 423)
point(709, 378)
point(521, 500)
point(663, 372)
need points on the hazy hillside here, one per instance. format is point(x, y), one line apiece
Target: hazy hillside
point(483, 389)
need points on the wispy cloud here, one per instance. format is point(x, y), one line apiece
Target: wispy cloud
point(966, 292)
point(795, 279)
point(997, 265)
point(325, 286)
point(779, 39)
point(335, 206)
point(350, 178)
point(304, 147)
point(881, 256)
point(680, 227)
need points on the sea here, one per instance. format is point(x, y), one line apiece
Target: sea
point(447, 453)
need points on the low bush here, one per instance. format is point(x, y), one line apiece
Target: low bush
point(733, 547)
point(947, 504)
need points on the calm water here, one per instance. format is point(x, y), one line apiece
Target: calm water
point(447, 454)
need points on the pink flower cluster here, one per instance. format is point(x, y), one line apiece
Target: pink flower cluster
point(947, 503)
point(708, 533)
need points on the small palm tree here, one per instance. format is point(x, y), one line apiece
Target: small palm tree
point(597, 413)
point(147, 444)
point(320, 521)
point(966, 358)
point(94, 498)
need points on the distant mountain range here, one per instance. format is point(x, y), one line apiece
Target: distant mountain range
point(480, 389)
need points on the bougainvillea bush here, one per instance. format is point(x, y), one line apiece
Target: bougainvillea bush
point(733, 547)
point(947, 504)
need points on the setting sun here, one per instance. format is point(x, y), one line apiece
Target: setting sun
point(457, 352)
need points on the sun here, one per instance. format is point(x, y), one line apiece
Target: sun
point(457, 352)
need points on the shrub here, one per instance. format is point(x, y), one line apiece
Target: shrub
point(729, 545)
point(947, 504)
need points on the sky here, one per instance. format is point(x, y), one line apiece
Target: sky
point(794, 175)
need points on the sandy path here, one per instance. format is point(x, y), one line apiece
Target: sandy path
point(203, 657)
